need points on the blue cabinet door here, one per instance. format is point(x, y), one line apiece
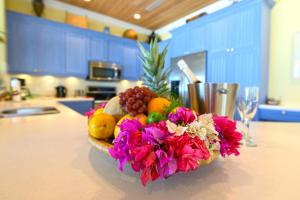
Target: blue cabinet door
point(218, 63)
point(77, 53)
point(197, 38)
point(219, 34)
point(130, 62)
point(179, 43)
point(22, 48)
point(50, 50)
point(98, 48)
point(246, 31)
point(115, 51)
point(244, 67)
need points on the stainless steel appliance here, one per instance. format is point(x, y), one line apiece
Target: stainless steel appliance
point(179, 82)
point(100, 94)
point(219, 98)
point(103, 71)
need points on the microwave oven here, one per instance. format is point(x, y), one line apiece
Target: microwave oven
point(104, 71)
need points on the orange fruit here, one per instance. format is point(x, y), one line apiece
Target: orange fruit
point(101, 126)
point(141, 117)
point(158, 104)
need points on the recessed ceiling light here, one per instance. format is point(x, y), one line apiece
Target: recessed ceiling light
point(137, 16)
point(87, 0)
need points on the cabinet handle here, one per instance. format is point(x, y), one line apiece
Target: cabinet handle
point(228, 50)
point(232, 49)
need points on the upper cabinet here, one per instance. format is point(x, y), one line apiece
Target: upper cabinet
point(42, 47)
point(236, 39)
point(115, 50)
point(50, 53)
point(98, 48)
point(131, 61)
point(77, 53)
point(22, 51)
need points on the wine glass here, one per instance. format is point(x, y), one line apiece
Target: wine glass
point(247, 106)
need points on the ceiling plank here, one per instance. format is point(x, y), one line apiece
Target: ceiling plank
point(169, 11)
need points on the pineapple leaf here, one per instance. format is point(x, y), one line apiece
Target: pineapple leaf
point(155, 75)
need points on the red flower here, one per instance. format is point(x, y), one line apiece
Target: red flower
point(144, 159)
point(189, 152)
point(229, 136)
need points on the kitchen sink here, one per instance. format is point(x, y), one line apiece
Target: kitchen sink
point(19, 112)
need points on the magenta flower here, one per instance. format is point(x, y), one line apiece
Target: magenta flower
point(128, 137)
point(229, 136)
point(167, 163)
point(182, 115)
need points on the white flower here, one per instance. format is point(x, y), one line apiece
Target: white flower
point(173, 128)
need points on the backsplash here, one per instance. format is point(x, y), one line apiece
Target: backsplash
point(45, 85)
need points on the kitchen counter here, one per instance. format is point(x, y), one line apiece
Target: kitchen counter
point(65, 99)
point(49, 157)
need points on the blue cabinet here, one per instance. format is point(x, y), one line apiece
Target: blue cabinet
point(115, 50)
point(197, 38)
point(98, 48)
point(131, 65)
point(236, 39)
point(278, 115)
point(22, 50)
point(179, 43)
point(34, 47)
point(77, 53)
point(50, 51)
point(79, 106)
point(42, 47)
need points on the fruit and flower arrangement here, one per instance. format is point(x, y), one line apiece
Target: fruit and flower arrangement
point(152, 131)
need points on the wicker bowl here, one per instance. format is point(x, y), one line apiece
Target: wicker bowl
point(104, 145)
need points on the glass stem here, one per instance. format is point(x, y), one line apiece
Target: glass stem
point(246, 128)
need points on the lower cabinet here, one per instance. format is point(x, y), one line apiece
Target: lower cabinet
point(278, 115)
point(79, 106)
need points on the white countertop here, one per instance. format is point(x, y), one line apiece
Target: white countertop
point(65, 99)
point(49, 157)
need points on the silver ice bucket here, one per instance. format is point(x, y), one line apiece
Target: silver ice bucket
point(218, 98)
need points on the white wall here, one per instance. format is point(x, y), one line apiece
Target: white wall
point(45, 85)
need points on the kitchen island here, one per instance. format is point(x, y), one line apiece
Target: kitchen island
point(49, 157)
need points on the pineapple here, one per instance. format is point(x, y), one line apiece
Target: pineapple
point(155, 76)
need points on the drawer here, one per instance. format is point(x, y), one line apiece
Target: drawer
point(279, 115)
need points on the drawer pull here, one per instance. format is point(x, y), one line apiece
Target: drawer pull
point(283, 112)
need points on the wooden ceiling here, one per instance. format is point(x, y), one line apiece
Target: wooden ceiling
point(167, 12)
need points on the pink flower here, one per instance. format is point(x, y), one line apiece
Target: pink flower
point(182, 115)
point(229, 136)
point(189, 152)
